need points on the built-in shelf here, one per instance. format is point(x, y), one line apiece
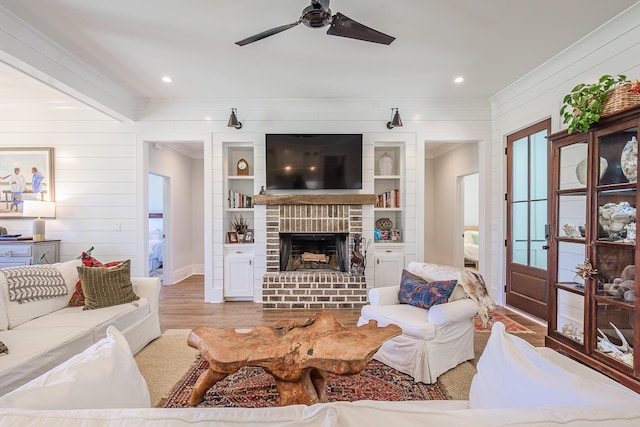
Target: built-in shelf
point(314, 199)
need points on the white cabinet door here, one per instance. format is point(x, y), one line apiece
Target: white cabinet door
point(388, 268)
point(238, 277)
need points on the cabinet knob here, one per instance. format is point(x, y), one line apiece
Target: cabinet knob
point(388, 251)
point(377, 261)
point(250, 262)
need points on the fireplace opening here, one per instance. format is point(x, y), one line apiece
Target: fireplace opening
point(313, 252)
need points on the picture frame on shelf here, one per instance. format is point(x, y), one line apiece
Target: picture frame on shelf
point(248, 236)
point(26, 173)
point(232, 237)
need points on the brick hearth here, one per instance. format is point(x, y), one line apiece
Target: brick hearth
point(316, 290)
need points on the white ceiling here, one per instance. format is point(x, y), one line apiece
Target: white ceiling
point(134, 43)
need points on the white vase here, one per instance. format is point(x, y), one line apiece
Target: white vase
point(385, 164)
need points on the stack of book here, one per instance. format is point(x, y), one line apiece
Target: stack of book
point(239, 200)
point(388, 199)
point(5, 237)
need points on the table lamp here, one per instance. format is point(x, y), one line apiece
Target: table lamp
point(39, 210)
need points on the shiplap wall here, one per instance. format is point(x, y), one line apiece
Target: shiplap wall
point(95, 186)
point(612, 49)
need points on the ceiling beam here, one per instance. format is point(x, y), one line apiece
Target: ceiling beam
point(28, 50)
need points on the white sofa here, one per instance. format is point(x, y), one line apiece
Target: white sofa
point(42, 334)
point(516, 385)
point(433, 340)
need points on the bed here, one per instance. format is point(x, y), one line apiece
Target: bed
point(471, 245)
point(155, 249)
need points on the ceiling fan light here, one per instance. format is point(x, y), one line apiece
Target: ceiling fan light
point(396, 121)
point(233, 120)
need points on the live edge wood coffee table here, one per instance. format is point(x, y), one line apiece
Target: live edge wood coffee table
point(298, 355)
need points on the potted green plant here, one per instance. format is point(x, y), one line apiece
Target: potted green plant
point(585, 103)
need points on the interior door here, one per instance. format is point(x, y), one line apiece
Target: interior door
point(157, 226)
point(527, 229)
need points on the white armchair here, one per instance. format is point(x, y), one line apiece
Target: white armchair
point(433, 340)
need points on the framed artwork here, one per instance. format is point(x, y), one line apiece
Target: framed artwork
point(232, 236)
point(248, 236)
point(26, 173)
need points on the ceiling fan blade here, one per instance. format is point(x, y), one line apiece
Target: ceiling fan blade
point(267, 33)
point(344, 26)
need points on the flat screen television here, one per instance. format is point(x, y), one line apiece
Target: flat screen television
point(314, 161)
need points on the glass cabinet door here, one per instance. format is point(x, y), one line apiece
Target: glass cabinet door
point(571, 227)
point(615, 242)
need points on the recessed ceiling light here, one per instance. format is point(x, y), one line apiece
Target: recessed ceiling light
point(167, 79)
point(459, 79)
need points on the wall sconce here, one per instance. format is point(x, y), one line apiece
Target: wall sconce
point(39, 210)
point(396, 121)
point(233, 120)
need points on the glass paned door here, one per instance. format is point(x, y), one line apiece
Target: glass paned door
point(527, 219)
point(529, 200)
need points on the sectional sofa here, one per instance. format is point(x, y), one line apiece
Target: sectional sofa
point(44, 333)
point(516, 385)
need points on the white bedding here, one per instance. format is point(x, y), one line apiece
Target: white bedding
point(155, 249)
point(471, 248)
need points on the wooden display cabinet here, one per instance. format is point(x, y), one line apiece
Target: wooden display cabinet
point(593, 261)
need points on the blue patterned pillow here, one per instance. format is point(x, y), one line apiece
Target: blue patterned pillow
point(416, 291)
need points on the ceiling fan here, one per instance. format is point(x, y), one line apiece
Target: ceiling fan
point(318, 15)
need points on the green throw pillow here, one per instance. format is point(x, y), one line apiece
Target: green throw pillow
point(104, 287)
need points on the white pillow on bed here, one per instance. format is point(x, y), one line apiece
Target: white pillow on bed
point(512, 374)
point(471, 237)
point(105, 375)
point(155, 234)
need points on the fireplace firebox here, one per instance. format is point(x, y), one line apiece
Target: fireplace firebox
point(313, 252)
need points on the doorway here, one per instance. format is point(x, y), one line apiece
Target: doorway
point(469, 229)
point(158, 188)
point(526, 263)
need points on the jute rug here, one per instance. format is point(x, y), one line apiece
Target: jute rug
point(511, 325)
point(171, 368)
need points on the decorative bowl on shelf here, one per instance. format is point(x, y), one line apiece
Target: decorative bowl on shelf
point(384, 224)
point(581, 170)
point(614, 217)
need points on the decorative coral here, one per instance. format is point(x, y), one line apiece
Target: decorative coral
point(240, 225)
point(635, 88)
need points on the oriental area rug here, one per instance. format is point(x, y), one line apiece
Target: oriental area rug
point(170, 367)
point(510, 325)
point(252, 387)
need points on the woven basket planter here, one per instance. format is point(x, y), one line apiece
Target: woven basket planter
point(619, 99)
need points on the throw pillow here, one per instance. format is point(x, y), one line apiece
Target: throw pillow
point(105, 375)
point(104, 287)
point(77, 299)
point(3, 348)
point(417, 291)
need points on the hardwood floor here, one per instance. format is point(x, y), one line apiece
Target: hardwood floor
point(181, 306)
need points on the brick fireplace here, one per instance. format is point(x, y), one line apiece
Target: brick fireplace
point(321, 288)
